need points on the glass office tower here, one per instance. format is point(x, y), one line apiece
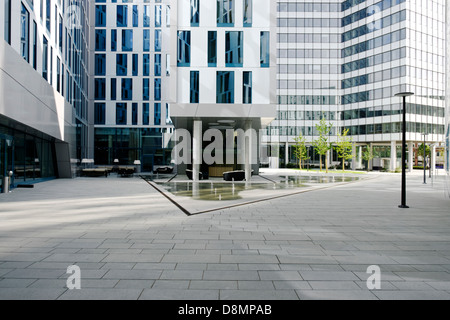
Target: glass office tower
point(131, 86)
point(44, 80)
point(345, 61)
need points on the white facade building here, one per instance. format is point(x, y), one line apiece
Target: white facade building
point(226, 67)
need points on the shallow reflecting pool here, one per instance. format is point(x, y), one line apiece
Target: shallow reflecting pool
point(226, 191)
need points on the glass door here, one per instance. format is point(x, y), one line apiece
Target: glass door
point(6, 163)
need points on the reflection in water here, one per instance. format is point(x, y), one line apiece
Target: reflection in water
point(225, 191)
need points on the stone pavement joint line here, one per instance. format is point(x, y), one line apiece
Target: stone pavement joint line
point(130, 242)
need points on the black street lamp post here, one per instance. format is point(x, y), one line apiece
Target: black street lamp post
point(424, 159)
point(404, 95)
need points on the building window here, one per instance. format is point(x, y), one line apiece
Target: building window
point(100, 114)
point(146, 39)
point(195, 13)
point(158, 40)
point(135, 17)
point(100, 40)
point(35, 39)
point(157, 114)
point(113, 89)
point(127, 89)
point(7, 22)
point(195, 85)
point(122, 16)
point(184, 49)
point(58, 75)
point(212, 48)
point(265, 49)
point(100, 16)
point(48, 15)
point(234, 48)
point(135, 67)
point(121, 113)
point(122, 65)
point(158, 11)
point(134, 114)
point(127, 40)
point(25, 33)
point(100, 89)
point(146, 89)
point(113, 40)
point(248, 13)
point(247, 88)
point(225, 87)
point(146, 65)
point(60, 34)
point(225, 13)
point(168, 119)
point(100, 64)
point(157, 65)
point(45, 58)
point(146, 16)
point(146, 114)
point(158, 89)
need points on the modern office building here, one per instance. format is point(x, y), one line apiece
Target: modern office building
point(104, 79)
point(44, 77)
point(346, 60)
point(225, 76)
point(132, 82)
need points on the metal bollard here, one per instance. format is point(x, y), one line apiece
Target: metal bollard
point(7, 182)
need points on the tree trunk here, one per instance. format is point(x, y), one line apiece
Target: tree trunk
point(320, 158)
point(326, 163)
point(343, 164)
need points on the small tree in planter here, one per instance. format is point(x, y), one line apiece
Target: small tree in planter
point(300, 150)
point(322, 144)
point(344, 147)
point(368, 155)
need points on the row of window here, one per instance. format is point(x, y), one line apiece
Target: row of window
point(308, 38)
point(370, 11)
point(308, 68)
point(126, 86)
point(128, 40)
point(309, 53)
point(308, 7)
point(362, 113)
point(380, 128)
point(225, 84)
point(308, 100)
point(121, 114)
point(122, 63)
point(308, 23)
point(375, 43)
point(234, 49)
point(374, 77)
point(374, 26)
point(377, 59)
point(309, 84)
point(122, 16)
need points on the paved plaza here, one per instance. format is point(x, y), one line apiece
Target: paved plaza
point(131, 242)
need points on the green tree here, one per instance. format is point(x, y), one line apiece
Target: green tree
point(322, 144)
point(368, 155)
point(344, 147)
point(300, 150)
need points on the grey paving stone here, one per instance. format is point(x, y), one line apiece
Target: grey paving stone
point(101, 294)
point(35, 274)
point(258, 295)
point(132, 274)
point(287, 285)
point(333, 285)
point(16, 283)
point(171, 284)
point(168, 294)
point(256, 285)
point(336, 295)
point(412, 295)
point(205, 285)
point(133, 284)
point(230, 275)
point(424, 276)
point(30, 293)
point(280, 275)
point(328, 275)
point(181, 275)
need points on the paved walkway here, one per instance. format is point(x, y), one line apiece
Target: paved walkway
point(132, 243)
